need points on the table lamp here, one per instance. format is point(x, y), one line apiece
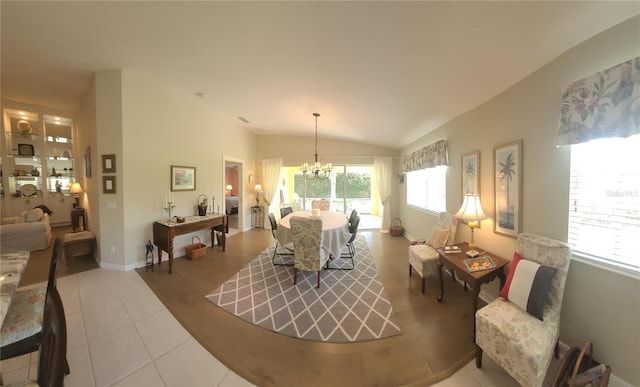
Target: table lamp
point(76, 190)
point(258, 190)
point(229, 188)
point(472, 212)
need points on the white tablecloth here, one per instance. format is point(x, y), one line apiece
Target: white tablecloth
point(335, 230)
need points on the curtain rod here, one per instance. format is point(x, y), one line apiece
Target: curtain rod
point(334, 157)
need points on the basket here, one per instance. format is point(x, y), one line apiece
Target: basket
point(195, 250)
point(578, 368)
point(396, 229)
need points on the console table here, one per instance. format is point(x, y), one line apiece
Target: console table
point(454, 262)
point(165, 230)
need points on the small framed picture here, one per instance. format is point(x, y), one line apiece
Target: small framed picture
point(109, 184)
point(108, 163)
point(183, 178)
point(25, 150)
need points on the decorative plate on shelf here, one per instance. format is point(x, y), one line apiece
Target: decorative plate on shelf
point(28, 189)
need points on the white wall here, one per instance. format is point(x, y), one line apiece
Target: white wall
point(599, 305)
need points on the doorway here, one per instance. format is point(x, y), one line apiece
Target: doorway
point(232, 184)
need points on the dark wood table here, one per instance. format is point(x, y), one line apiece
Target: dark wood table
point(454, 262)
point(164, 231)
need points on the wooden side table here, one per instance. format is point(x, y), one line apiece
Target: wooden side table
point(257, 216)
point(454, 262)
point(76, 213)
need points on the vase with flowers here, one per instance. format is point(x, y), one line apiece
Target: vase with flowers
point(202, 205)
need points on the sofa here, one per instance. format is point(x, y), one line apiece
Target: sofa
point(30, 231)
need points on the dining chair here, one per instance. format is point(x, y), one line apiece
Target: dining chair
point(52, 365)
point(22, 327)
point(284, 211)
point(519, 330)
point(308, 252)
point(323, 205)
point(283, 251)
point(353, 215)
point(351, 249)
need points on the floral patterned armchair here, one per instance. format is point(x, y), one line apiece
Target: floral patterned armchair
point(519, 342)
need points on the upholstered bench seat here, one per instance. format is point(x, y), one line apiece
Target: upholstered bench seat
point(79, 243)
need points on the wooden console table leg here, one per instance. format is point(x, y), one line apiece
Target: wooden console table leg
point(441, 282)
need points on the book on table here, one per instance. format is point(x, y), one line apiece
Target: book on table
point(479, 263)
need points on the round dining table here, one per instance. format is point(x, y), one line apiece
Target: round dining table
point(335, 230)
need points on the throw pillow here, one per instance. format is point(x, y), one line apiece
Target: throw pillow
point(438, 237)
point(45, 209)
point(527, 285)
point(34, 215)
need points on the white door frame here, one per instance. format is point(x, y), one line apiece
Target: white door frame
point(241, 192)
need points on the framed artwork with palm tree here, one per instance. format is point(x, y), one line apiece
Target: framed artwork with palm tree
point(507, 172)
point(470, 173)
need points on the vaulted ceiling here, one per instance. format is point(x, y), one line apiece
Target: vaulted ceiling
point(383, 73)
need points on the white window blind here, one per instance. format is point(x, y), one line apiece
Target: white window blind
point(427, 188)
point(604, 207)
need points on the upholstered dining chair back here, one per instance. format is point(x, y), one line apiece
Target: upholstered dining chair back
point(308, 252)
point(519, 342)
point(353, 215)
point(323, 205)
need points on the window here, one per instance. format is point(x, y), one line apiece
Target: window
point(426, 188)
point(604, 207)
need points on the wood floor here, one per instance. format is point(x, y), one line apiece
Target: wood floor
point(436, 339)
point(37, 269)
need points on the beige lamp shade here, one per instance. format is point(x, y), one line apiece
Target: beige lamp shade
point(471, 209)
point(76, 190)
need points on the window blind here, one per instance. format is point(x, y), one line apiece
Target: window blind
point(604, 207)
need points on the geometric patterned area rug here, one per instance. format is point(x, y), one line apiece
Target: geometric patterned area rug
point(349, 306)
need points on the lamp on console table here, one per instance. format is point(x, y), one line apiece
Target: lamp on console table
point(258, 190)
point(76, 190)
point(229, 188)
point(471, 211)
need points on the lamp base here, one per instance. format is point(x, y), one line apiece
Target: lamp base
point(472, 253)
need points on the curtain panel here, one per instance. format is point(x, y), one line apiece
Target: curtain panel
point(428, 157)
point(603, 105)
point(383, 169)
point(270, 179)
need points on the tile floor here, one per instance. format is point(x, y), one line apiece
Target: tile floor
point(120, 334)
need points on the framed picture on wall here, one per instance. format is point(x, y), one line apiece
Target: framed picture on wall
point(108, 163)
point(109, 184)
point(87, 162)
point(183, 178)
point(470, 173)
point(507, 172)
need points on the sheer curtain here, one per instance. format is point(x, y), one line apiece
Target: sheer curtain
point(270, 179)
point(383, 167)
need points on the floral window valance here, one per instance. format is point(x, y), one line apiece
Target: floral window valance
point(606, 104)
point(428, 157)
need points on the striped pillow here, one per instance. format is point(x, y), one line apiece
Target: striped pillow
point(527, 285)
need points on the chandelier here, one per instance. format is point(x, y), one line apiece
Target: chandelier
point(316, 171)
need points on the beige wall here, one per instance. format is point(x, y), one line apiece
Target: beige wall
point(163, 126)
point(86, 136)
point(599, 305)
